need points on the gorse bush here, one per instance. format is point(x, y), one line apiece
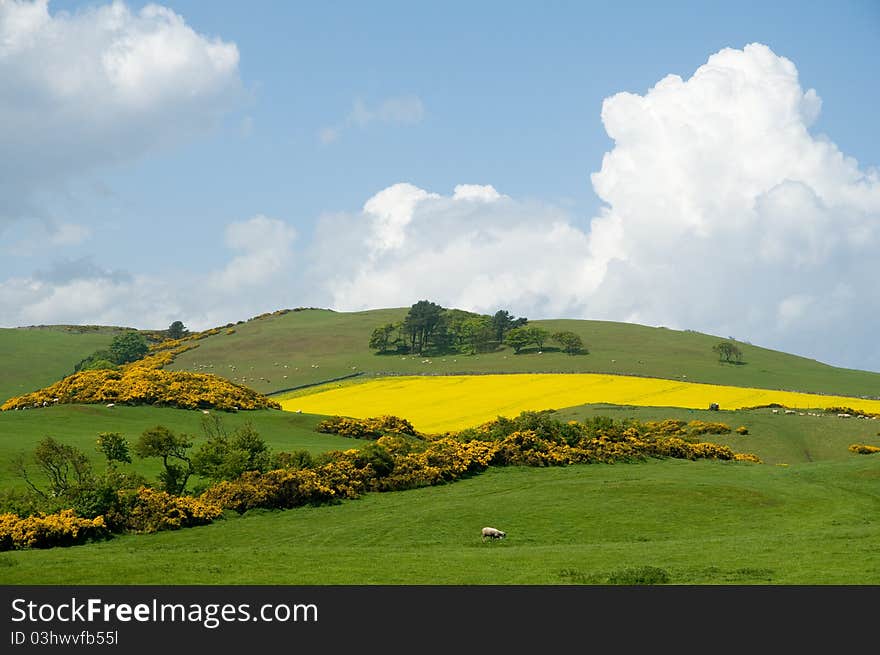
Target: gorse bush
point(150, 510)
point(366, 428)
point(49, 530)
point(144, 382)
point(863, 449)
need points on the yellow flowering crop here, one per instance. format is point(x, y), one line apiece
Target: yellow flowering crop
point(454, 402)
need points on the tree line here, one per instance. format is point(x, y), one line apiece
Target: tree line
point(429, 328)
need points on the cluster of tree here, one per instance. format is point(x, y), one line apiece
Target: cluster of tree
point(429, 328)
point(523, 337)
point(727, 351)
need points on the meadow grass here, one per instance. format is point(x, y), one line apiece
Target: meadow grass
point(32, 358)
point(703, 522)
point(441, 403)
point(79, 425)
point(313, 346)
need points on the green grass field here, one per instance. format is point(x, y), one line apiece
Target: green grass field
point(313, 346)
point(699, 522)
point(32, 358)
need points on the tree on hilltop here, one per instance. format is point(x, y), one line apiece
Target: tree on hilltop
point(177, 330)
point(420, 324)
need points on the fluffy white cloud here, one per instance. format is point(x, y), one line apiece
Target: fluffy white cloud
point(476, 249)
point(723, 213)
point(265, 245)
point(102, 85)
point(732, 217)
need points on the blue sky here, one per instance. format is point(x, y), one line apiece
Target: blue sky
point(244, 157)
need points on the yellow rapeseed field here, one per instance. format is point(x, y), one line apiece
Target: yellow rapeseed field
point(440, 403)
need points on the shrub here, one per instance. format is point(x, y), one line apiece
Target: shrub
point(150, 510)
point(366, 428)
point(49, 530)
point(742, 430)
point(863, 449)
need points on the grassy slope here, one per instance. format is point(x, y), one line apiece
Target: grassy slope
point(32, 358)
point(79, 426)
point(703, 522)
point(317, 345)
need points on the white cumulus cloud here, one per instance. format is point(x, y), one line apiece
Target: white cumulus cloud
point(722, 213)
point(99, 86)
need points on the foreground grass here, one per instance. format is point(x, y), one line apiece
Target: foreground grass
point(79, 425)
point(697, 522)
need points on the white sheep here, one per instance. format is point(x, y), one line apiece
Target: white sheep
point(492, 533)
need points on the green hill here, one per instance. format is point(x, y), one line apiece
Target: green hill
point(34, 357)
point(288, 350)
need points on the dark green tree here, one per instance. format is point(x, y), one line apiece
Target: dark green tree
point(176, 330)
point(502, 321)
point(477, 334)
point(114, 447)
point(128, 347)
point(570, 342)
point(225, 456)
point(173, 449)
point(420, 323)
point(538, 336)
point(727, 351)
point(518, 338)
point(382, 337)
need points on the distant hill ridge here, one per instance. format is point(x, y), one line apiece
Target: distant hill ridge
point(291, 348)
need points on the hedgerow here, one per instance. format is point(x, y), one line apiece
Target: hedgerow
point(398, 460)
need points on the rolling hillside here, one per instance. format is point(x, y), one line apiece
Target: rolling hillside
point(288, 350)
point(32, 358)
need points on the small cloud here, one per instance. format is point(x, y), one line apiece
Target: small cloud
point(328, 134)
point(247, 126)
point(396, 110)
point(65, 271)
point(69, 234)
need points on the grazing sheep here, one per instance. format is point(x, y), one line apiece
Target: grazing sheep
point(492, 533)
